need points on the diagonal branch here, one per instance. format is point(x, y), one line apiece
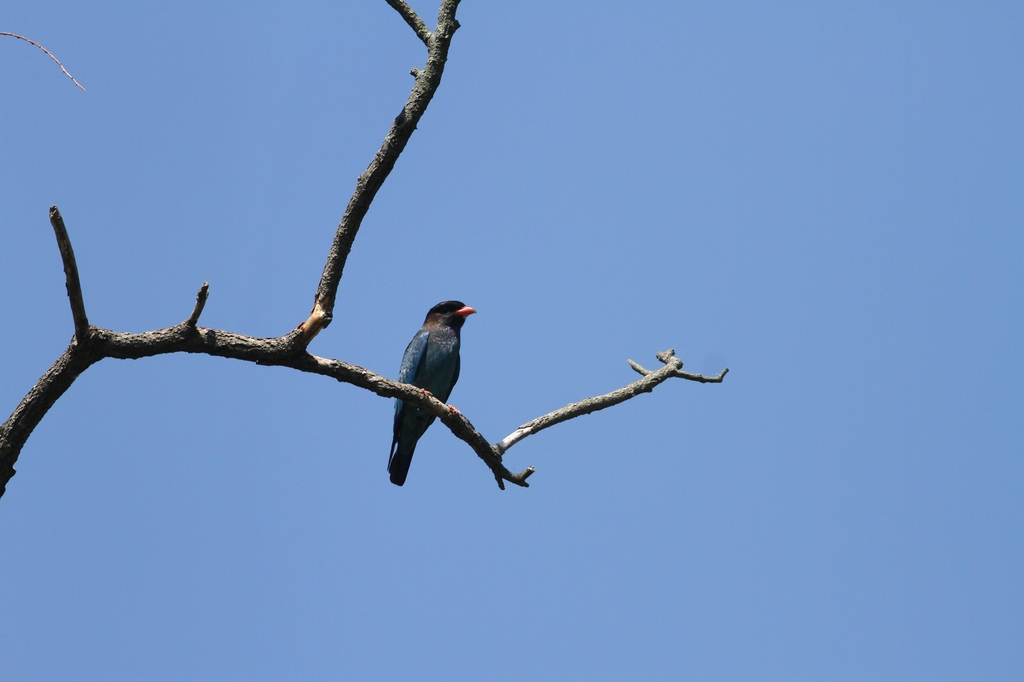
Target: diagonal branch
point(413, 20)
point(74, 286)
point(34, 406)
point(427, 81)
point(601, 402)
point(15, 35)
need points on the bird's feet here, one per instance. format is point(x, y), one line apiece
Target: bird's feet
point(454, 409)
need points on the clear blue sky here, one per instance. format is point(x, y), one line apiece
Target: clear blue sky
point(824, 197)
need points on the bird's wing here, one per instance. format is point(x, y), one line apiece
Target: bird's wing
point(413, 356)
point(407, 374)
point(410, 364)
point(455, 378)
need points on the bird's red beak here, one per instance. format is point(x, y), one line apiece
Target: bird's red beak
point(464, 311)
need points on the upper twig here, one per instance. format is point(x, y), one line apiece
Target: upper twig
point(413, 20)
point(74, 286)
point(15, 35)
point(427, 81)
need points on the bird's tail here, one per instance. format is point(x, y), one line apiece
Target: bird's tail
point(398, 463)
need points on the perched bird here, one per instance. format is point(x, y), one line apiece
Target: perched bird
point(431, 362)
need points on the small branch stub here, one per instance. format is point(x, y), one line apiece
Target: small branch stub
point(413, 19)
point(201, 296)
point(318, 318)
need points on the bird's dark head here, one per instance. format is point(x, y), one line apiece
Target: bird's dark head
point(449, 313)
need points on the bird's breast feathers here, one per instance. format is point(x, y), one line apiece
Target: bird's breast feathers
point(440, 361)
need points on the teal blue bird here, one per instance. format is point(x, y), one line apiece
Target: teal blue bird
point(431, 362)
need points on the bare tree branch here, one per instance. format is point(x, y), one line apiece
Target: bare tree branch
point(665, 356)
point(96, 343)
point(413, 20)
point(284, 351)
point(27, 415)
point(287, 351)
point(573, 410)
point(74, 286)
point(371, 180)
point(15, 35)
point(92, 344)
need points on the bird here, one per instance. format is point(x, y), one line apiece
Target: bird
point(431, 362)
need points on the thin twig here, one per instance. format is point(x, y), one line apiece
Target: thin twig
point(665, 356)
point(27, 40)
point(717, 379)
point(412, 19)
point(74, 286)
point(601, 402)
point(638, 368)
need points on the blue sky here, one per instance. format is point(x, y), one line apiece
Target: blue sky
point(826, 198)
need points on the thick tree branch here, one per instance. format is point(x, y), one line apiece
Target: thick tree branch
point(27, 415)
point(15, 35)
point(413, 20)
point(74, 286)
point(427, 81)
point(287, 351)
point(97, 343)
